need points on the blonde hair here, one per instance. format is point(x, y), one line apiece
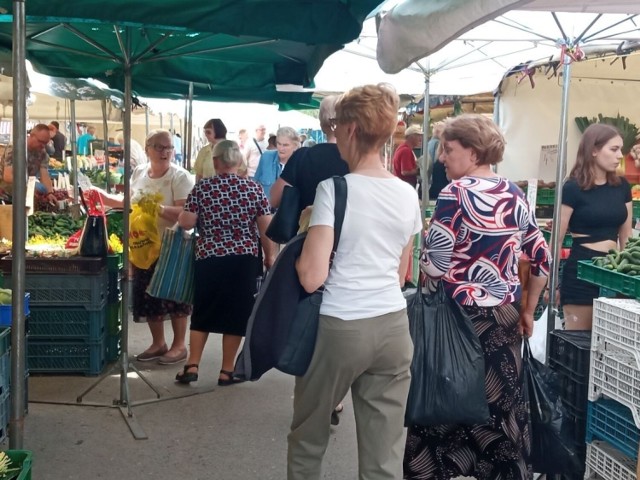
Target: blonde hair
point(227, 152)
point(374, 110)
point(478, 133)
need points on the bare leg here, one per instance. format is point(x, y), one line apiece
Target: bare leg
point(197, 341)
point(179, 326)
point(157, 334)
point(230, 346)
point(578, 317)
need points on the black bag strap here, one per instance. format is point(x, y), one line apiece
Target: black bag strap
point(340, 186)
point(257, 145)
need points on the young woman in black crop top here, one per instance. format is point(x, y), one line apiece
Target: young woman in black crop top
point(596, 209)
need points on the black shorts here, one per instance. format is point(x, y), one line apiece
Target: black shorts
point(572, 290)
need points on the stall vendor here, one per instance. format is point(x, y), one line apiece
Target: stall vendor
point(37, 164)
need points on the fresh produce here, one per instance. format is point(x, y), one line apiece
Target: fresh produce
point(47, 223)
point(115, 244)
point(115, 223)
point(626, 261)
point(635, 192)
point(5, 296)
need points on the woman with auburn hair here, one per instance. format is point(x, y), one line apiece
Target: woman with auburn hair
point(363, 341)
point(481, 225)
point(597, 210)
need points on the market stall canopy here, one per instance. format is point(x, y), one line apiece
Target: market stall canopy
point(228, 50)
point(415, 29)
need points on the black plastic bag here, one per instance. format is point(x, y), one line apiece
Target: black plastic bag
point(93, 242)
point(447, 371)
point(552, 452)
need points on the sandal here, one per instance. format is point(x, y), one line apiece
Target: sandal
point(187, 377)
point(230, 381)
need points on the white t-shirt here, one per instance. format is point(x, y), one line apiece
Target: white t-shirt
point(252, 154)
point(382, 215)
point(174, 185)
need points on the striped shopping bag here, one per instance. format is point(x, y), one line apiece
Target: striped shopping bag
point(173, 275)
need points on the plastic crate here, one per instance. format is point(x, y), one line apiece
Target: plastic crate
point(569, 353)
point(546, 196)
point(114, 347)
point(113, 286)
point(612, 422)
point(72, 265)
point(6, 311)
point(610, 279)
point(636, 209)
point(608, 463)
point(61, 323)
point(617, 321)
point(615, 374)
point(20, 459)
point(5, 339)
point(114, 317)
point(574, 428)
point(5, 415)
point(67, 357)
point(574, 393)
point(567, 241)
point(5, 373)
point(114, 262)
point(88, 291)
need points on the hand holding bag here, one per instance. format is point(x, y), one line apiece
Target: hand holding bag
point(173, 276)
point(447, 371)
point(284, 224)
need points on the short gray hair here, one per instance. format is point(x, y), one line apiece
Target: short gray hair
point(153, 134)
point(327, 111)
point(289, 133)
point(228, 152)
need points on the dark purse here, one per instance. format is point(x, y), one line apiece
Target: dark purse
point(303, 330)
point(284, 224)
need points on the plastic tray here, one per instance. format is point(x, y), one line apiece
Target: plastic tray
point(6, 312)
point(569, 353)
point(88, 291)
point(114, 262)
point(636, 210)
point(574, 427)
point(114, 317)
point(67, 357)
point(617, 321)
point(612, 422)
point(567, 241)
point(546, 196)
point(114, 347)
point(73, 265)
point(618, 282)
point(21, 459)
point(608, 463)
point(5, 415)
point(615, 374)
point(62, 323)
point(5, 339)
point(113, 286)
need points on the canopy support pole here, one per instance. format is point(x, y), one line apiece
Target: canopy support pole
point(74, 151)
point(189, 124)
point(146, 121)
point(560, 175)
point(18, 340)
point(105, 129)
point(426, 120)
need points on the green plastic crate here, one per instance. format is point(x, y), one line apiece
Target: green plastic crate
point(114, 347)
point(88, 358)
point(546, 196)
point(65, 323)
point(567, 242)
point(114, 262)
point(114, 317)
point(636, 209)
point(609, 279)
point(21, 459)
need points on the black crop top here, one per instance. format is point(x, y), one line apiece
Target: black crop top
point(598, 212)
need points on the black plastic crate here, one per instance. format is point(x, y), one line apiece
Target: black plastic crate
point(569, 353)
point(574, 394)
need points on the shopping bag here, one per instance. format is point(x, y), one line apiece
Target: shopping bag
point(144, 238)
point(284, 224)
point(173, 276)
point(447, 370)
point(552, 451)
point(93, 242)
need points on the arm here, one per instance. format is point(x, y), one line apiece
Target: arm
point(269, 248)
point(276, 192)
point(109, 199)
point(313, 264)
point(187, 220)
point(626, 231)
point(405, 258)
point(172, 212)
point(536, 285)
point(7, 174)
point(45, 179)
point(408, 165)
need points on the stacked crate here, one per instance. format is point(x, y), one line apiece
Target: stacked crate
point(613, 426)
point(569, 355)
point(67, 325)
point(115, 270)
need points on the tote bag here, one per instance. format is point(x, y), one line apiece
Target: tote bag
point(173, 275)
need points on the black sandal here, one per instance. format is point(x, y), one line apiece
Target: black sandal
point(230, 381)
point(187, 377)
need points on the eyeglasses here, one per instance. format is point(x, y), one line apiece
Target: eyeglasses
point(162, 148)
point(333, 124)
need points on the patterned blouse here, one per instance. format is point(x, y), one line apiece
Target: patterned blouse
point(479, 229)
point(228, 207)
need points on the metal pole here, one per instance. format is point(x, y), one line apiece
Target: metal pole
point(146, 121)
point(426, 119)
point(189, 123)
point(560, 175)
point(18, 340)
point(74, 150)
point(171, 123)
point(161, 120)
point(105, 129)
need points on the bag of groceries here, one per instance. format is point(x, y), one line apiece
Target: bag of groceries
point(144, 237)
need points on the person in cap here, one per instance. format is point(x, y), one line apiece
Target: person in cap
point(405, 165)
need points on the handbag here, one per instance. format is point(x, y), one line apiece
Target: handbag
point(173, 277)
point(303, 331)
point(93, 240)
point(447, 370)
point(553, 450)
point(284, 224)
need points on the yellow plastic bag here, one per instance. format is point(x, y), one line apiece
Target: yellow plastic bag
point(144, 238)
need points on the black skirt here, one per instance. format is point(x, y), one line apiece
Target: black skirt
point(572, 290)
point(224, 293)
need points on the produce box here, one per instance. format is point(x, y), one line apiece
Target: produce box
point(69, 265)
point(546, 196)
point(20, 459)
point(612, 422)
point(606, 462)
point(567, 242)
point(67, 357)
point(609, 279)
point(6, 312)
point(636, 209)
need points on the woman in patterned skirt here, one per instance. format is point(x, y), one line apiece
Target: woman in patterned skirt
point(228, 211)
point(480, 226)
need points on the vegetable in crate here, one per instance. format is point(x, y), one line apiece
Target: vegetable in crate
point(626, 261)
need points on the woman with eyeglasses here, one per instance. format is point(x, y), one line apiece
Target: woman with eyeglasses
point(174, 183)
point(214, 131)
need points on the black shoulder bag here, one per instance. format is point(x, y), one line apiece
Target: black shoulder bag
point(303, 330)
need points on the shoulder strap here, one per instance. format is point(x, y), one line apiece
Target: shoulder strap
point(340, 186)
point(257, 145)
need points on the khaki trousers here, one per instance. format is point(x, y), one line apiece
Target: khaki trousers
point(372, 357)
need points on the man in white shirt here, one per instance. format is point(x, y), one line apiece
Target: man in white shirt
point(254, 148)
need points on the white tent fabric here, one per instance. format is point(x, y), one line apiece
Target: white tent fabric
point(415, 29)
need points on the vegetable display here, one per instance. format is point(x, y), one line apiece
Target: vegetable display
point(626, 261)
point(46, 224)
